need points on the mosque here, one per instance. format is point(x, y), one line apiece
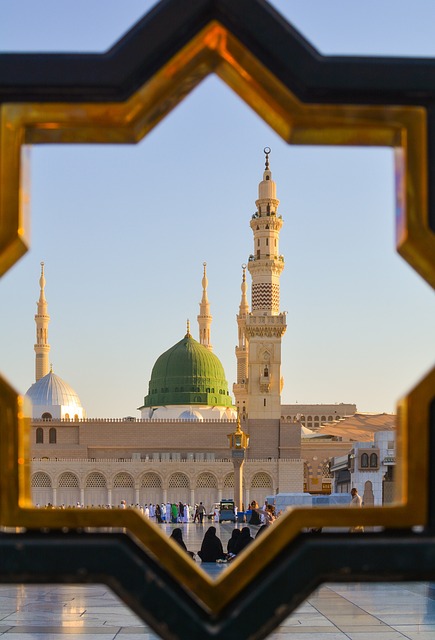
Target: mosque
point(178, 449)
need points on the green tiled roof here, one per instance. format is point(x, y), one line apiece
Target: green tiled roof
point(188, 374)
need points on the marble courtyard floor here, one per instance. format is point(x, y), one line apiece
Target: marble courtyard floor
point(394, 611)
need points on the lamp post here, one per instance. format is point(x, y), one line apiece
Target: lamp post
point(239, 442)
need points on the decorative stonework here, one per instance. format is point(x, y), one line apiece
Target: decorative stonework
point(265, 295)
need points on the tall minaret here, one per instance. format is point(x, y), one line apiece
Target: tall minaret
point(240, 388)
point(42, 348)
point(205, 318)
point(265, 325)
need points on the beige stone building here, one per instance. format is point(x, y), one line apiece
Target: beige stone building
point(179, 450)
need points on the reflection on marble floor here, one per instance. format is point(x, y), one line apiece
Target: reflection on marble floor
point(333, 612)
point(404, 611)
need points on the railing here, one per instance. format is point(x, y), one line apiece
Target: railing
point(123, 420)
point(152, 460)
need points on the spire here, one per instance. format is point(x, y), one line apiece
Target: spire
point(242, 349)
point(42, 348)
point(42, 285)
point(204, 300)
point(205, 318)
point(267, 151)
point(244, 305)
point(188, 330)
point(265, 325)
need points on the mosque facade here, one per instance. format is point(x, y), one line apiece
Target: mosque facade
point(178, 449)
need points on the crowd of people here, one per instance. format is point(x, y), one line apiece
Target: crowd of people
point(176, 513)
point(170, 512)
point(211, 547)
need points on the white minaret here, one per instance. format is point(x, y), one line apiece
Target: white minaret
point(240, 388)
point(42, 348)
point(265, 325)
point(205, 318)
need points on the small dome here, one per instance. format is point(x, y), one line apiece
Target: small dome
point(53, 395)
point(190, 414)
point(188, 374)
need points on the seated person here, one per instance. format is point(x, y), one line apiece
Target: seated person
point(211, 548)
point(233, 541)
point(177, 536)
point(243, 540)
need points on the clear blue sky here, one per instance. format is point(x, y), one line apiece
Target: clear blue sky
point(124, 230)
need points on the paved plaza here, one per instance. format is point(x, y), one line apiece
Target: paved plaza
point(333, 612)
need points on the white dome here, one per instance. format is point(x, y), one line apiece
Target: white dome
point(53, 395)
point(190, 414)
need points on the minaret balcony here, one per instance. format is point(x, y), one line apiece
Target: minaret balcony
point(266, 256)
point(266, 325)
point(240, 387)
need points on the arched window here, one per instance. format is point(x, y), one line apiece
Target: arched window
point(52, 436)
point(330, 418)
point(323, 419)
point(95, 479)
point(68, 480)
point(373, 460)
point(229, 481)
point(123, 480)
point(151, 481)
point(206, 481)
point(261, 480)
point(46, 416)
point(39, 435)
point(364, 461)
point(41, 480)
point(178, 480)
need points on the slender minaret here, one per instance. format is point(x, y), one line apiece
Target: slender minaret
point(42, 348)
point(265, 325)
point(240, 388)
point(204, 318)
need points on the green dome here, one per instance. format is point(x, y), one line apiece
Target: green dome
point(188, 374)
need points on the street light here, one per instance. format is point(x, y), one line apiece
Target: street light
point(238, 442)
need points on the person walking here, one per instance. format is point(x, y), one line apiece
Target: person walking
point(201, 511)
point(356, 503)
point(196, 516)
point(255, 518)
point(158, 513)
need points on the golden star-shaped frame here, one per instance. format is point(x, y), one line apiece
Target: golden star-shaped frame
point(215, 50)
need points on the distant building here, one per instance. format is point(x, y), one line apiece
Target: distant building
point(368, 466)
point(178, 449)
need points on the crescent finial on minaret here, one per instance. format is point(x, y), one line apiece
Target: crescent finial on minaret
point(42, 281)
point(42, 319)
point(204, 318)
point(188, 330)
point(204, 282)
point(267, 152)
